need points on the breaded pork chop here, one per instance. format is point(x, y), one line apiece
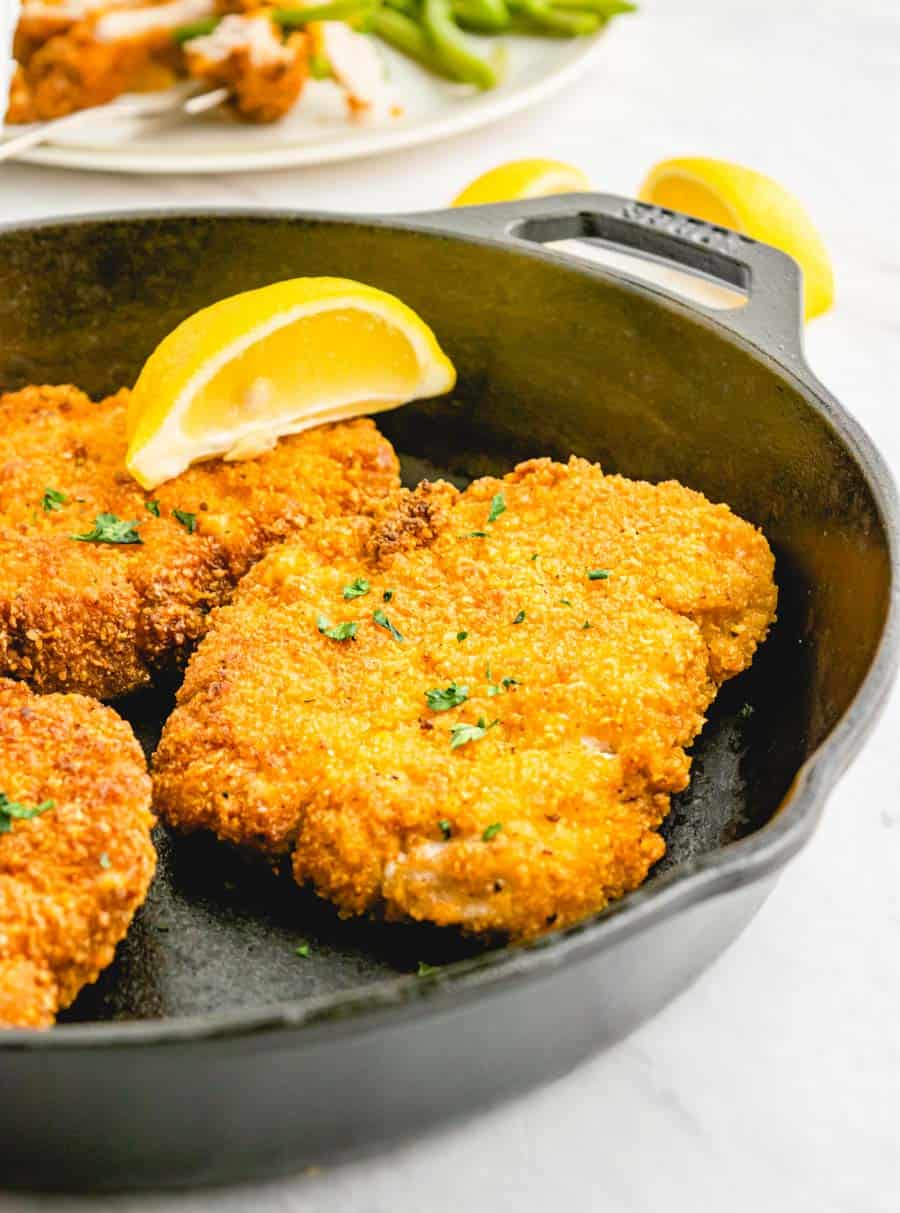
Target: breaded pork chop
point(104, 618)
point(76, 858)
point(489, 734)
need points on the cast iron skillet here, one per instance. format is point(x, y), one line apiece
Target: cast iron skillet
point(211, 1051)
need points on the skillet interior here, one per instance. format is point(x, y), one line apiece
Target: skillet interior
point(552, 360)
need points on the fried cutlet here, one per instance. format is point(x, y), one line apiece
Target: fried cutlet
point(473, 709)
point(105, 618)
point(76, 858)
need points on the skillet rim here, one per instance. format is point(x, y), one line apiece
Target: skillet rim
point(363, 1009)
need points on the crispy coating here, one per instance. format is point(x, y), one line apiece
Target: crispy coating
point(71, 878)
point(73, 71)
point(106, 619)
point(263, 88)
point(287, 740)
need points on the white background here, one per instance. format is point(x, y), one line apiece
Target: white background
point(774, 1084)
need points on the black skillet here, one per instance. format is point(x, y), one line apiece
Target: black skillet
point(211, 1051)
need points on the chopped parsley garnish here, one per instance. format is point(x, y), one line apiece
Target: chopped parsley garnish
point(462, 734)
point(746, 711)
point(442, 700)
point(446, 828)
point(460, 636)
point(498, 507)
point(336, 631)
point(425, 970)
point(492, 831)
point(110, 529)
point(53, 499)
point(383, 622)
point(302, 949)
point(519, 617)
point(534, 556)
point(564, 602)
point(598, 574)
point(105, 861)
point(497, 688)
point(387, 595)
point(477, 535)
point(587, 624)
point(188, 521)
point(152, 507)
point(504, 685)
point(357, 588)
point(11, 810)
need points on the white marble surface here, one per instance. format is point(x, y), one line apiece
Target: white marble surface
point(774, 1084)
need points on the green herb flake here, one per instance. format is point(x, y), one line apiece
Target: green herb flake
point(498, 507)
point(152, 507)
point(462, 734)
point(426, 970)
point(598, 574)
point(587, 624)
point(443, 699)
point(188, 521)
point(12, 810)
point(534, 556)
point(564, 602)
point(336, 631)
point(303, 950)
point(446, 829)
point(492, 831)
point(387, 595)
point(520, 617)
point(746, 711)
point(356, 588)
point(477, 535)
point(383, 622)
point(105, 861)
point(52, 500)
point(460, 637)
point(110, 529)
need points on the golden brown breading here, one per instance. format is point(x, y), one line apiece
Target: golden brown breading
point(74, 71)
point(587, 691)
point(72, 877)
point(105, 619)
point(264, 87)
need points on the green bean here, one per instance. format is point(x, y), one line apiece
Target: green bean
point(482, 16)
point(409, 7)
point(410, 39)
point(543, 19)
point(338, 10)
point(196, 29)
point(450, 46)
point(602, 8)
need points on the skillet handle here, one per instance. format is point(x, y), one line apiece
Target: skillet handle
point(771, 319)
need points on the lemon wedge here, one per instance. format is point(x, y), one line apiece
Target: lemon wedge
point(523, 179)
point(233, 378)
point(749, 202)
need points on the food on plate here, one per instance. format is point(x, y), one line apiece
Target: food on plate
point(74, 54)
point(234, 377)
point(104, 586)
point(264, 74)
point(471, 709)
point(76, 858)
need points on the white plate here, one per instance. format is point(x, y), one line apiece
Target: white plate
point(317, 130)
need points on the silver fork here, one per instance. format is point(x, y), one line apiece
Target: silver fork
point(143, 105)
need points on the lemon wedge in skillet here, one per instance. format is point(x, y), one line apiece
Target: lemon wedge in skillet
point(233, 378)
